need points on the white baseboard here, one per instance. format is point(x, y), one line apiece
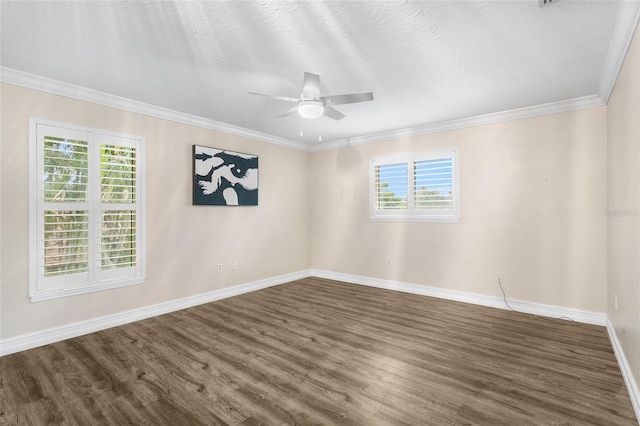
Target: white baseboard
point(595, 318)
point(57, 334)
point(625, 369)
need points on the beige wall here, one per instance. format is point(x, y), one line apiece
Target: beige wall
point(184, 241)
point(623, 139)
point(533, 207)
point(533, 200)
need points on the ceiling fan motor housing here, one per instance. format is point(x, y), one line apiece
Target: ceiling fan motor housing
point(311, 109)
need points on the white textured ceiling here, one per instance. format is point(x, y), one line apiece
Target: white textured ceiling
point(426, 62)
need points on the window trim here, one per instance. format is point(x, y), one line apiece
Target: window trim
point(38, 291)
point(410, 214)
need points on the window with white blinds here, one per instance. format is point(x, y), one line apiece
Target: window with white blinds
point(416, 187)
point(87, 217)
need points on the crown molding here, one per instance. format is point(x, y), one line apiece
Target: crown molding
point(626, 25)
point(20, 78)
point(479, 120)
point(32, 81)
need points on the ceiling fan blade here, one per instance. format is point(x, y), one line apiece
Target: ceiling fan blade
point(333, 113)
point(311, 85)
point(288, 113)
point(347, 99)
point(280, 98)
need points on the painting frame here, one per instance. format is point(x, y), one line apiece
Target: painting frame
point(223, 177)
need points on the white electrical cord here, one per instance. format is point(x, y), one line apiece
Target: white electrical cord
point(504, 297)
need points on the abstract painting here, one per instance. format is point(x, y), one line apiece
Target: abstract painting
point(224, 178)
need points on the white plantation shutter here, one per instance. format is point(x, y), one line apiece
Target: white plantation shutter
point(118, 239)
point(117, 173)
point(62, 207)
point(87, 194)
point(118, 197)
point(433, 184)
point(66, 168)
point(66, 242)
point(388, 177)
point(416, 187)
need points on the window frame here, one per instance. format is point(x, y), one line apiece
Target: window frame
point(410, 213)
point(96, 279)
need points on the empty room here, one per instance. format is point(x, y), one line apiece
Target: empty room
point(320, 212)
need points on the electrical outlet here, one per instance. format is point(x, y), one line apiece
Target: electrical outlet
point(219, 267)
point(500, 277)
point(388, 261)
point(235, 265)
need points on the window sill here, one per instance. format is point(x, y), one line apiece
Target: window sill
point(434, 219)
point(68, 292)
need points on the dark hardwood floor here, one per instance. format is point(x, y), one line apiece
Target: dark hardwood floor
point(320, 352)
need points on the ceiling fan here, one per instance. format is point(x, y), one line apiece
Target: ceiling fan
point(311, 105)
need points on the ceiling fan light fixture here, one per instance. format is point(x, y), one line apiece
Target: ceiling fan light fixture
point(311, 109)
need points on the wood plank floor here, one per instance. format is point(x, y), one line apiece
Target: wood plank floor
point(320, 352)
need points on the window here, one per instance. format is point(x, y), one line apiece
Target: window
point(420, 187)
point(87, 218)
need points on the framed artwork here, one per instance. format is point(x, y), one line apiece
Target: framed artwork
point(224, 178)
